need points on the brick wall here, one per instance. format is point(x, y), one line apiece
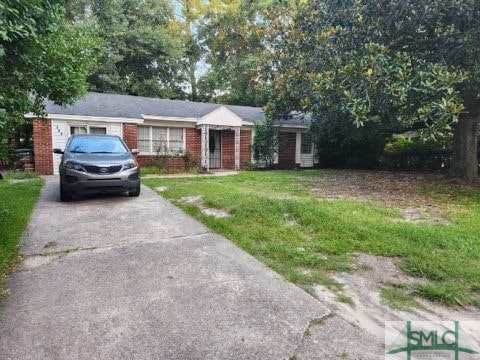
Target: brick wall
point(193, 140)
point(193, 144)
point(286, 149)
point(228, 149)
point(130, 135)
point(42, 146)
point(245, 146)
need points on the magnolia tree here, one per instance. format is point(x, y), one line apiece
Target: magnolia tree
point(396, 63)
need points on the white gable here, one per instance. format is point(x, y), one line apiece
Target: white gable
point(221, 117)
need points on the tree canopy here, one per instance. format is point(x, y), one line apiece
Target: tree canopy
point(185, 26)
point(140, 55)
point(207, 50)
point(41, 56)
point(233, 35)
point(382, 66)
point(397, 64)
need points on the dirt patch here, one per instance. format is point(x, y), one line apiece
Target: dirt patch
point(289, 220)
point(370, 311)
point(423, 214)
point(390, 188)
point(399, 190)
point(192, 199)
point(218, 213)
point(198, 201)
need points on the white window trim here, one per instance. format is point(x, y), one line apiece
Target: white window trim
point(184, 139)
point(84, 118)
point(311, 146)
point(150, 139)
point(88, 126)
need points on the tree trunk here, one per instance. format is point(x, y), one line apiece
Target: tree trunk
point(464, 164)
point(189, 13)
point(193, 79)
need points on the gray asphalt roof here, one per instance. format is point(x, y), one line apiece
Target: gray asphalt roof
point(295, 119)
point(132, 107)
point(128, 106)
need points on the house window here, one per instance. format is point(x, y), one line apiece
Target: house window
point(78, 130)
point(143, 140)
point(176, 139)
point(97, 130)
point(155, 139)
point(159, 140)
point(88, 130)
point(306, 147)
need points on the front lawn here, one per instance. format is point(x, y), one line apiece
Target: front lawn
point(156, 170)
point(16, 204)
point(287, 220)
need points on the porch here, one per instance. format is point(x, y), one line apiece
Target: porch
point(220, 137)
point(220, 147)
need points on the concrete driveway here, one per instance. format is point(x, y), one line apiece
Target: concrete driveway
point(136, 278)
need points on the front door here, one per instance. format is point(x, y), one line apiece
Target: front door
point(215, 149)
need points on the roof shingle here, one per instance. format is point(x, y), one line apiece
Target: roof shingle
point(132, 107)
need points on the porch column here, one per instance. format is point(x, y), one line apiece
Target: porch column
point(237, 148)
point(205, 158)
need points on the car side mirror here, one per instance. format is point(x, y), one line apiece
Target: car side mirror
point(57, 151)
point(135, 151)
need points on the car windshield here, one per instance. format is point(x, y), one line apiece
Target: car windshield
point(97, 145)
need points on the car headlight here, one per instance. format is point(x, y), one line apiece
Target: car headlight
point(130, 165)
point(73, 165)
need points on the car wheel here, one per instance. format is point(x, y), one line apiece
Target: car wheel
point(134, 192)
point(64, 195)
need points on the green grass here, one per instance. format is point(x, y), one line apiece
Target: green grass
point(155, 170)
point(19, 175)
point(398, 300)
point(16, 204)
point(152, 170)
point(276, 218)
point(449, 293)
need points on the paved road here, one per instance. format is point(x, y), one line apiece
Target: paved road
point(136, 278)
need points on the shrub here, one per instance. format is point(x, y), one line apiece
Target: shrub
point(249, 166)
point(190, 160)
point(403, 153)
point(265, 143)
point(340, 144)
